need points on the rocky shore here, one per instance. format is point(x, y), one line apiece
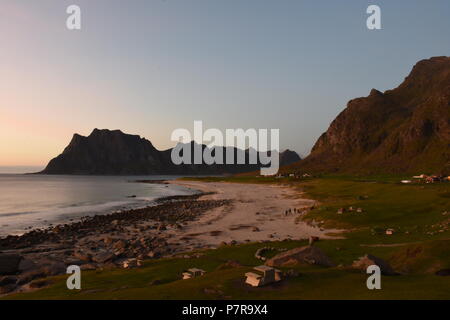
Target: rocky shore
point(119, 239)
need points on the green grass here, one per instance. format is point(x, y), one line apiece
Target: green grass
point(416, 249)
point(228, 283)
point(410, 209)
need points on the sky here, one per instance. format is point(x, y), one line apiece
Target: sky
point(148, 67)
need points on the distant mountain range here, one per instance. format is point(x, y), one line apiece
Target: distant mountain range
point(404, 130)
point(106, 152)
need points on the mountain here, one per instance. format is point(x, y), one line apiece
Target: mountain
point(404, 130)
point(106, 152)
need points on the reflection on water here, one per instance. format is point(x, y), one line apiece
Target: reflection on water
point(39, 200)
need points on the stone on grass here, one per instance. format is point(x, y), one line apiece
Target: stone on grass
point(364, 262)
point(307, 254)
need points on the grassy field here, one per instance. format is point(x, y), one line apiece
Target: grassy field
point(419, 247)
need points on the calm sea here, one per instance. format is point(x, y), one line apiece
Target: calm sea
point(37, 201)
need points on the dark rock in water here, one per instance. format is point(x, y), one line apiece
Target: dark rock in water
point(443, 273)
point(368, 260)
point(9, 263)
point(307, 254)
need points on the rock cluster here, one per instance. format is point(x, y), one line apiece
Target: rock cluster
point(120, 239)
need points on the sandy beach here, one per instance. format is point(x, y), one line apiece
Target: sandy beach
point(256, 213)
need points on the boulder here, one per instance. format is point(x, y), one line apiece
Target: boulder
point(6, 280)
point(7, 288)
point(9, 263)
point(230, 264)
point(26, 265)
point(307, 254)
point(54, 268)
point(39, 283)
point(29, 276)
point(443, 273)
point(364, 262)
point(103, 257)
point(84, 256)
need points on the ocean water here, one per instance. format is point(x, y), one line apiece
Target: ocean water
point(36, 201)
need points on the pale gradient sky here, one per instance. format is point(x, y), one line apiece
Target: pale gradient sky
point(150, 66)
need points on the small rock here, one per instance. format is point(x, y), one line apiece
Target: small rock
point(88, 266)
point(155, 282)
point(153, 254)
point(119, 244)
point(132, 263)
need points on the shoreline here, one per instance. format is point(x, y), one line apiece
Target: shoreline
point(60, 217)
point(220, 214)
